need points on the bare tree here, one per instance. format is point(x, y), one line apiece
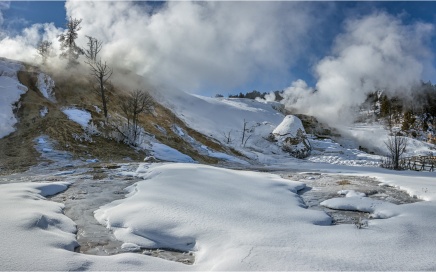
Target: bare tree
point(94, 47)
point(44, 50)
point(101, 72)
point(136, 103)
point(396, 146)
point(68, 41)
point(245, 130)
point(228, 137)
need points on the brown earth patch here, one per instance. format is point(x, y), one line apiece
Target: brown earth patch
point(17, 151)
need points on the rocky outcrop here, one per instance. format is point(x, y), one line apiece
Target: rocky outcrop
point(291, 137)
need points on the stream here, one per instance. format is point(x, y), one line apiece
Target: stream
point(102, 184)
point(320, 187)
point(98, 186)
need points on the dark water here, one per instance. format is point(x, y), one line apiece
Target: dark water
point(321, 187)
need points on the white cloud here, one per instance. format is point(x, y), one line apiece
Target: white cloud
point(195, 45)
point(375, 52)
point(23, 46)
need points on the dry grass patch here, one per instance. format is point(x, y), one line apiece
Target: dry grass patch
point(17, 151)
point(343, 182)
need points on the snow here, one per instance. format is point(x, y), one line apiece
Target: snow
point(34, 224)
point(240, 220)
point(166, 153)
point(43, 112)
point(215, 212)
point(81, 117)
point(36, 235)
point(357, 201)
point(374, 136)
point(97, 109)
point(46, 86)
point(289, 126)
point(179, 130)
point(223, 118)
point(229, 219)
point(10, 92)
point(223, 156)
point(351, 193)
point(328, 151)
point(378, 209)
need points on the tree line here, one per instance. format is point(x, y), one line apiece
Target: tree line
point(412, 113)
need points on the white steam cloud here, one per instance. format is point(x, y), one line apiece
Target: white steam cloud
point(376, 52)
point(196, 45)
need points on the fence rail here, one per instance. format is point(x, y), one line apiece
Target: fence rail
point(419, 163)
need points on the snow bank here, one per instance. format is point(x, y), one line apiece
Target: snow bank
point(166, 153)
point(46, 86)
point(223, 156)
point(351, 193)
point(37, 236)
point(32, 222)
point(374, 136)
point(289, 126)
point(378, 208)
point(81, 117)
point(232, 220)
point(237, 220)
point(218, 213)
point(328, 151)
point(10, 92)
point(215, 117)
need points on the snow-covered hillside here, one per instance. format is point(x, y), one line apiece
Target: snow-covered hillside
point(10, 91)
point(224, 118)
point(197, 217)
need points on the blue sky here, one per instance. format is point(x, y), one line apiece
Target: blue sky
point(332, 16)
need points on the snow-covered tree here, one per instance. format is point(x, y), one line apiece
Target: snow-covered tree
point(68, 41)
point(94, 47)
point(44, 50)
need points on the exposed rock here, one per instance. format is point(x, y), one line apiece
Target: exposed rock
point(291, 136)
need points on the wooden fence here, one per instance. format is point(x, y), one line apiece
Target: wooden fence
point(419, 163)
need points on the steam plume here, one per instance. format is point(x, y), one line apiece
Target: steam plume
point(376, 52)
point(195, 45)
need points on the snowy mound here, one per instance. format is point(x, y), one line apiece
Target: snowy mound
point(10, 91)
point(46, 86)
point(291, 136)
point(81, 117)
point(218, 213)
point(289, 126)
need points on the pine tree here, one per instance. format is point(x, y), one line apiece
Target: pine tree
point(408, 120)
point(44, 50)
point(68, 41)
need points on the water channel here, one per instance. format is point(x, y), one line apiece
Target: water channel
point(103, 184)
point(100, 185)
point(320, 187)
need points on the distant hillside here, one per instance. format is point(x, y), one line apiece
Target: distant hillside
point(41, 111)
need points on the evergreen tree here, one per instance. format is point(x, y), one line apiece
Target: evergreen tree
point(44, 50)
point(68, 41)
point(408, 120)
